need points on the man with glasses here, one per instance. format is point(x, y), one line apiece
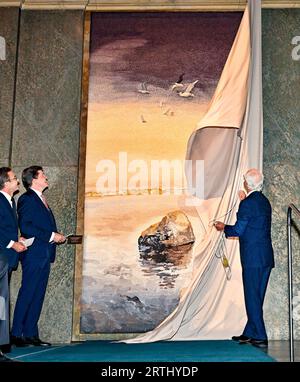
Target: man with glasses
point(37, 221)
point(10, 248)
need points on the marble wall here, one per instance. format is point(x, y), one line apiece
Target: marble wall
point(46, 131)
point(8, 31)
point(281, 97)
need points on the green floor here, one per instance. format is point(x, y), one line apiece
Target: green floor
point(107, 351)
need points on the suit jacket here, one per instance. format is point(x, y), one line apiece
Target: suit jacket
point(8, 231)
point(253, 227)
point(35, 220)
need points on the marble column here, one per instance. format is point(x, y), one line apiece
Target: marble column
point(46, 132)
point(281, 98)
point(8, 34)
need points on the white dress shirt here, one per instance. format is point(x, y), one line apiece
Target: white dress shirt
point(250, 192)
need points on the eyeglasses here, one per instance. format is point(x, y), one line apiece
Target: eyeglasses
point(14, 178)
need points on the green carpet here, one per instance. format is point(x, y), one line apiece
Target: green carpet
point(180, 351)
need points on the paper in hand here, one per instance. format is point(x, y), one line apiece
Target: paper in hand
point(28, 242)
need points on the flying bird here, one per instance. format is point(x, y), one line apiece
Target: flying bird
point(178, 84)
point(169, 112)
point(161, 103)
point(188, 91)
point(143, 89)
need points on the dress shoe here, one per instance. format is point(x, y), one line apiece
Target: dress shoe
point(36, 341)
point(3, 358)
point(19, 342)
point(5, 348)
point(241, 339)
point(262, 344)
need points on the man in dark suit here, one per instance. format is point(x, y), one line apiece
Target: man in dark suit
point(35, 220)
point(9, 249)
point(253, 227)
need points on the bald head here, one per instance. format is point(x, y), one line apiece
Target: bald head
point(254, 179)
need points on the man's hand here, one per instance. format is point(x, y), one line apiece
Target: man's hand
point(242, 195)
point(59, 238)
point(19, 247)
point(219, 226)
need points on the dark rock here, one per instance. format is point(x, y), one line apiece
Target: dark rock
point(172, 236)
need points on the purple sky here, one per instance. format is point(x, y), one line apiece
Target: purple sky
point(130, 48)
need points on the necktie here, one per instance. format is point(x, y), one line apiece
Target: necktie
point(14, 207)
point(45, 201)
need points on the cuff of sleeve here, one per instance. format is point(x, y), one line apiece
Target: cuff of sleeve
point(52, 237)
point(226, 234)
point(11, 243)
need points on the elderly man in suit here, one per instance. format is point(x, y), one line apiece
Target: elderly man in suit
point(35, 220)
point(253, 227)
point(10, 248)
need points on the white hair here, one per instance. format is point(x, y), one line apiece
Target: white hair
point(254, 179)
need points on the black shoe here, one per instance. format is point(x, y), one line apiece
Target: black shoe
point(36, 341)
point(262, 344)
point(241, 339)
point(3, 358)
point(19, 342)
point(5, 348)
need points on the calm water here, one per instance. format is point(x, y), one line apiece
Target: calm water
point(121, 291)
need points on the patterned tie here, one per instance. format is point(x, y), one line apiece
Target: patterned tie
point(45, 201)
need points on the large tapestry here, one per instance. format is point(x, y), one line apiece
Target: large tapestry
point(152, 76)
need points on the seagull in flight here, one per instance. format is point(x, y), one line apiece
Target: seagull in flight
point(143, 89)
point(178, 84)
point(161, 103)
point(188, 91)
point(169, 112)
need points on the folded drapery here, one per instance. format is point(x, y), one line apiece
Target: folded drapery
point(229, 141)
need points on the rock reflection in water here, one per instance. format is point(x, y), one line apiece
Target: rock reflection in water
point(166, 264)
point(165, 247)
